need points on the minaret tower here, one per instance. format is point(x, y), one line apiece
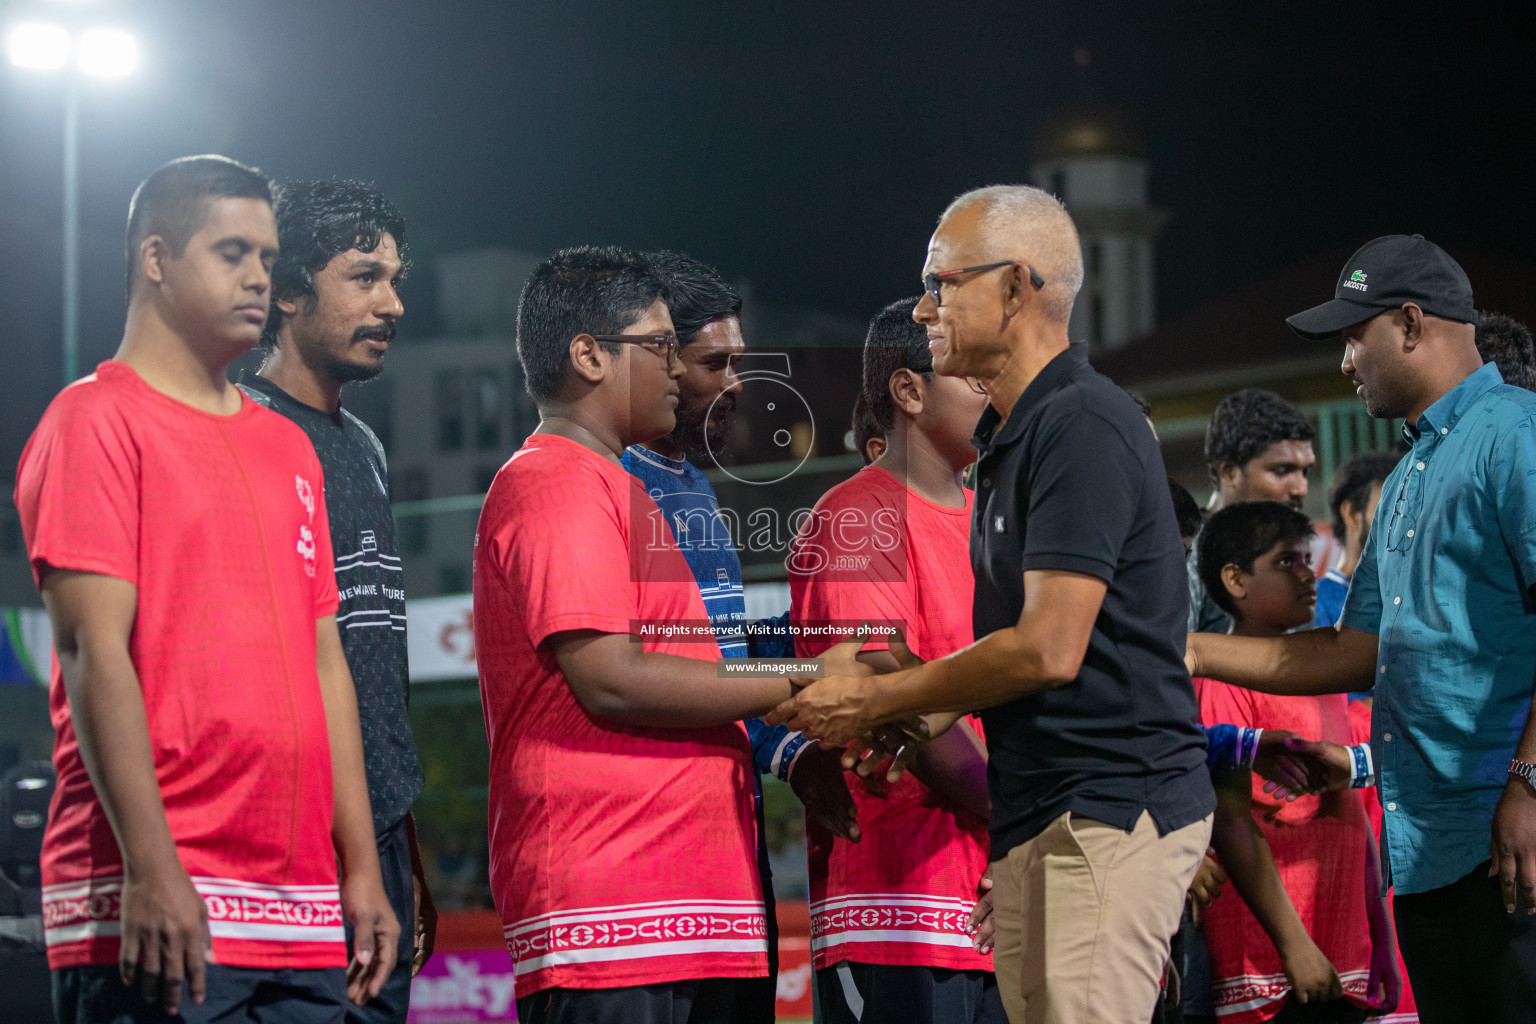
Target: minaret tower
point(1093, 159)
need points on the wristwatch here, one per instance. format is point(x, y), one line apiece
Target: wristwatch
point(1523, 770)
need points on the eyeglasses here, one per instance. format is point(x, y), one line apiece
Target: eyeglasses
point(663, 345)
point(932, 282)
point(975, 384)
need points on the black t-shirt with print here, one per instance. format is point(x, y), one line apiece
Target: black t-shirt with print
point(371, 616)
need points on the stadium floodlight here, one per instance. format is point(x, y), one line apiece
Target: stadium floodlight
point(107, 53)
point(98, 52)
point(44, 47)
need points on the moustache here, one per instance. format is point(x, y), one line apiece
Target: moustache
point(375, 332)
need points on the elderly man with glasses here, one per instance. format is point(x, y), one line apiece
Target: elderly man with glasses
point(1101, 802)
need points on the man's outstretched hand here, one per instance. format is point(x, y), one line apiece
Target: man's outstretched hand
point(1292, 766)
point(836, 709)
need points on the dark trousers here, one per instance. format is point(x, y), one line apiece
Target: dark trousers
point(97, 995)
point(1470, 962)
point(757, 995)
point(1335, 1011)
point(389, 1006)
point(858, 993)
point(26, 988)
point(700, 1001)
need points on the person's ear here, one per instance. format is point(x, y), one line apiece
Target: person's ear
point(1411, 319)
point(586, 356)
point(287, 307)
point(1016, 289)
point(1228, 475)
point(907, 391)
point(1235, 580)
point(1353, 517)
point(154, 254)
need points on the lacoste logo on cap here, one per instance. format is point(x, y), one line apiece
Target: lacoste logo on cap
point(1357, 281)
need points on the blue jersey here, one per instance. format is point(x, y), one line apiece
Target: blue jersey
point(1332, 586)
point(687, 500)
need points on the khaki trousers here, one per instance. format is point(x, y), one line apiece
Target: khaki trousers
point(1084, 914)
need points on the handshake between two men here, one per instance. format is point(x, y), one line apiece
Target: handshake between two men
point(944, 751)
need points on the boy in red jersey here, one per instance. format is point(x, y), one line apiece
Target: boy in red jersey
point(1311, 938)
point(889, 913)
point(622, 832)
point(208, 749)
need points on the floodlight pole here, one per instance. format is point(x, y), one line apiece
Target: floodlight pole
point(71, 226)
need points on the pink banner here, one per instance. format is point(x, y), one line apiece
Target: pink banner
point(464, 987)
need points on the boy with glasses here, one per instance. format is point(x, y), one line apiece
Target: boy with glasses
point(622, 828)
point(707, 314)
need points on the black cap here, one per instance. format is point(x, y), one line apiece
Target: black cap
point(1385, 273)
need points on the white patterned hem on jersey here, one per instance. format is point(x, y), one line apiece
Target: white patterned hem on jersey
point(1254, 991)
point(634, 931)
point(890, 917)
point(252, 911)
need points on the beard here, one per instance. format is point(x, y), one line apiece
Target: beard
point(703, 435)
point(343, 371)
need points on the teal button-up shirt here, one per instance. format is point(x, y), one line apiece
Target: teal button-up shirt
point(1446, 584)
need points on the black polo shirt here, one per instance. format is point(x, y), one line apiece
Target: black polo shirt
point(1074, 481)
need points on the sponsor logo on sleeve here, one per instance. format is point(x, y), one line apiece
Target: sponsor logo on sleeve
point(306, 544)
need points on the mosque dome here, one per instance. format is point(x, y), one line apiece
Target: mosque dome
point(1088, 131)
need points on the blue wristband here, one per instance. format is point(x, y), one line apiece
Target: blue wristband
point(784, 757)
point(1365, 771)
point(1248, 746)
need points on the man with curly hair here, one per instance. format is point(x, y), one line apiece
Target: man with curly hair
point(1507, 342)
point(334, 306)
point(1258, 447)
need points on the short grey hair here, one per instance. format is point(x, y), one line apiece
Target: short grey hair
point(1022, 222)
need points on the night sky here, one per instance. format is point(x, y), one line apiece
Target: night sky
point(804, 147)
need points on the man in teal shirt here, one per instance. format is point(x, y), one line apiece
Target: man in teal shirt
point(1441, 617)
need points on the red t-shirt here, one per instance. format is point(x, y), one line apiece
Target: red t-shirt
point(620, 855)
point(875, 550)
point(220, 524)
point(1407, 1011)
point(1318, 843)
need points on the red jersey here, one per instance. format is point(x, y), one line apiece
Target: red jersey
point(620, 854)
point(876, 550)
point(1407, 1011)
point(220, 524)
point(1318, 843)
